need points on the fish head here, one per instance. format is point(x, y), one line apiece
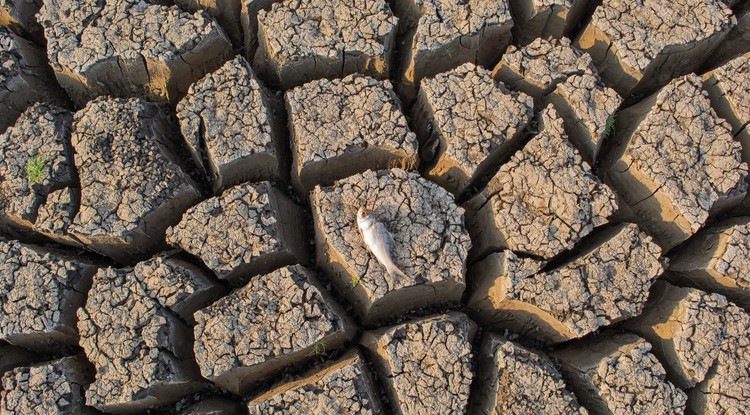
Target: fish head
point(365, 218)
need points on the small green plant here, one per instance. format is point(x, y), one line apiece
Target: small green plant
point(354, 282)
point(609, 127)
point(448, 51)
point(319, 347)
point(35, 169)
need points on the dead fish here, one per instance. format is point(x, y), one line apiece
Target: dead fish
point(378, 241)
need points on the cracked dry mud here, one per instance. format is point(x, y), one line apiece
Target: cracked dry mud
point(563, 183)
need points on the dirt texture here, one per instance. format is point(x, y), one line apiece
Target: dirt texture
point(737, 40)
point(543, 19)
point(232, 126)
point(129, 48)
point(40, 313)
point(215, 406)
point(356, 124)
point(619, 375)
point(442, 34)
point(343, 387)
point(141, 350)
point(19, 15)
point(250, 229)
point(37, 161)
point(25, 77)
point(537, 68)
point(676, 162)
point(304, 40)
point(537, 203)
point(640, 45)
point(717, 259)
point(516, 380)
point(468, 123)
point(131, 188)
point(430, 243)
point(426, 363)
point(604, 284)
point(55, 387)
point(277, 319)
point(226, 13)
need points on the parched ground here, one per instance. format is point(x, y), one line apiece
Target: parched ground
point(562, 186)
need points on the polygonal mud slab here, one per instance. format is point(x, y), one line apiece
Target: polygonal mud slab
point(537, 68)
point(24, 77)
point(726, 389)
point(717, 259)
point(40, 291)
point(430, 243)
point(619, 375)
point(443, 34)
point(141, 350)
point(546, 18)
point(541, 202)
point(729, 90)
point(215, 406)
point(47, 388)
point(250, 229)
point(178, 285)
point(737, 41)
point(340, 387)
point(37, 161)
point(588, 109)
point(515, 380)
point(355, 124)
point(226, 13)
point(277, 319)
point(56, 215)
point(640, 45)
point(19, 15)
point(129, 48)
point(232, 127)
point(467, 123)
point(425, 363)
point(303, 40)
point(685, 327)
point(608, 282)
point(675, 162)
point(131, 190)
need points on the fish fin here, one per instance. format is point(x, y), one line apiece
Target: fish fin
point(396, 272)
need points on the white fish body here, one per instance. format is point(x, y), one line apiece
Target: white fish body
point(378, 241)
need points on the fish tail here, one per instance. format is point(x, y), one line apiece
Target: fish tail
point(395, 272)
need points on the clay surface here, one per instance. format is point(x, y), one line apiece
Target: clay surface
point(291, 318)
point(356, 124)
point(430, 243)
point(226, 13)
point(539, 19)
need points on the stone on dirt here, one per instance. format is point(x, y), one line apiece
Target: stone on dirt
point(676, 162)
point(131, 188)
point(605, 283)
point(430, 243)
point(537, 68)
point(40, 291)
point(340, 387)
point(617, 374)
point(129, 48)
point(542, 201)
point(141, 349)
point(231, 123)
point(54, 387)
point(304, 40)
point(249, 229)
point(442, 34)
point(277, 319)
point(425, 364)
point(546, 18)
point(685, 327)
point(640, 45)
point(356, 124)
point(516, 380)
point(467, 124)
point(717, 259)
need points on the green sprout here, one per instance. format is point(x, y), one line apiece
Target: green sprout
point(35, 169)
point(319, 347)
point(448, 51)
point(354, 281)
point(609, 127)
